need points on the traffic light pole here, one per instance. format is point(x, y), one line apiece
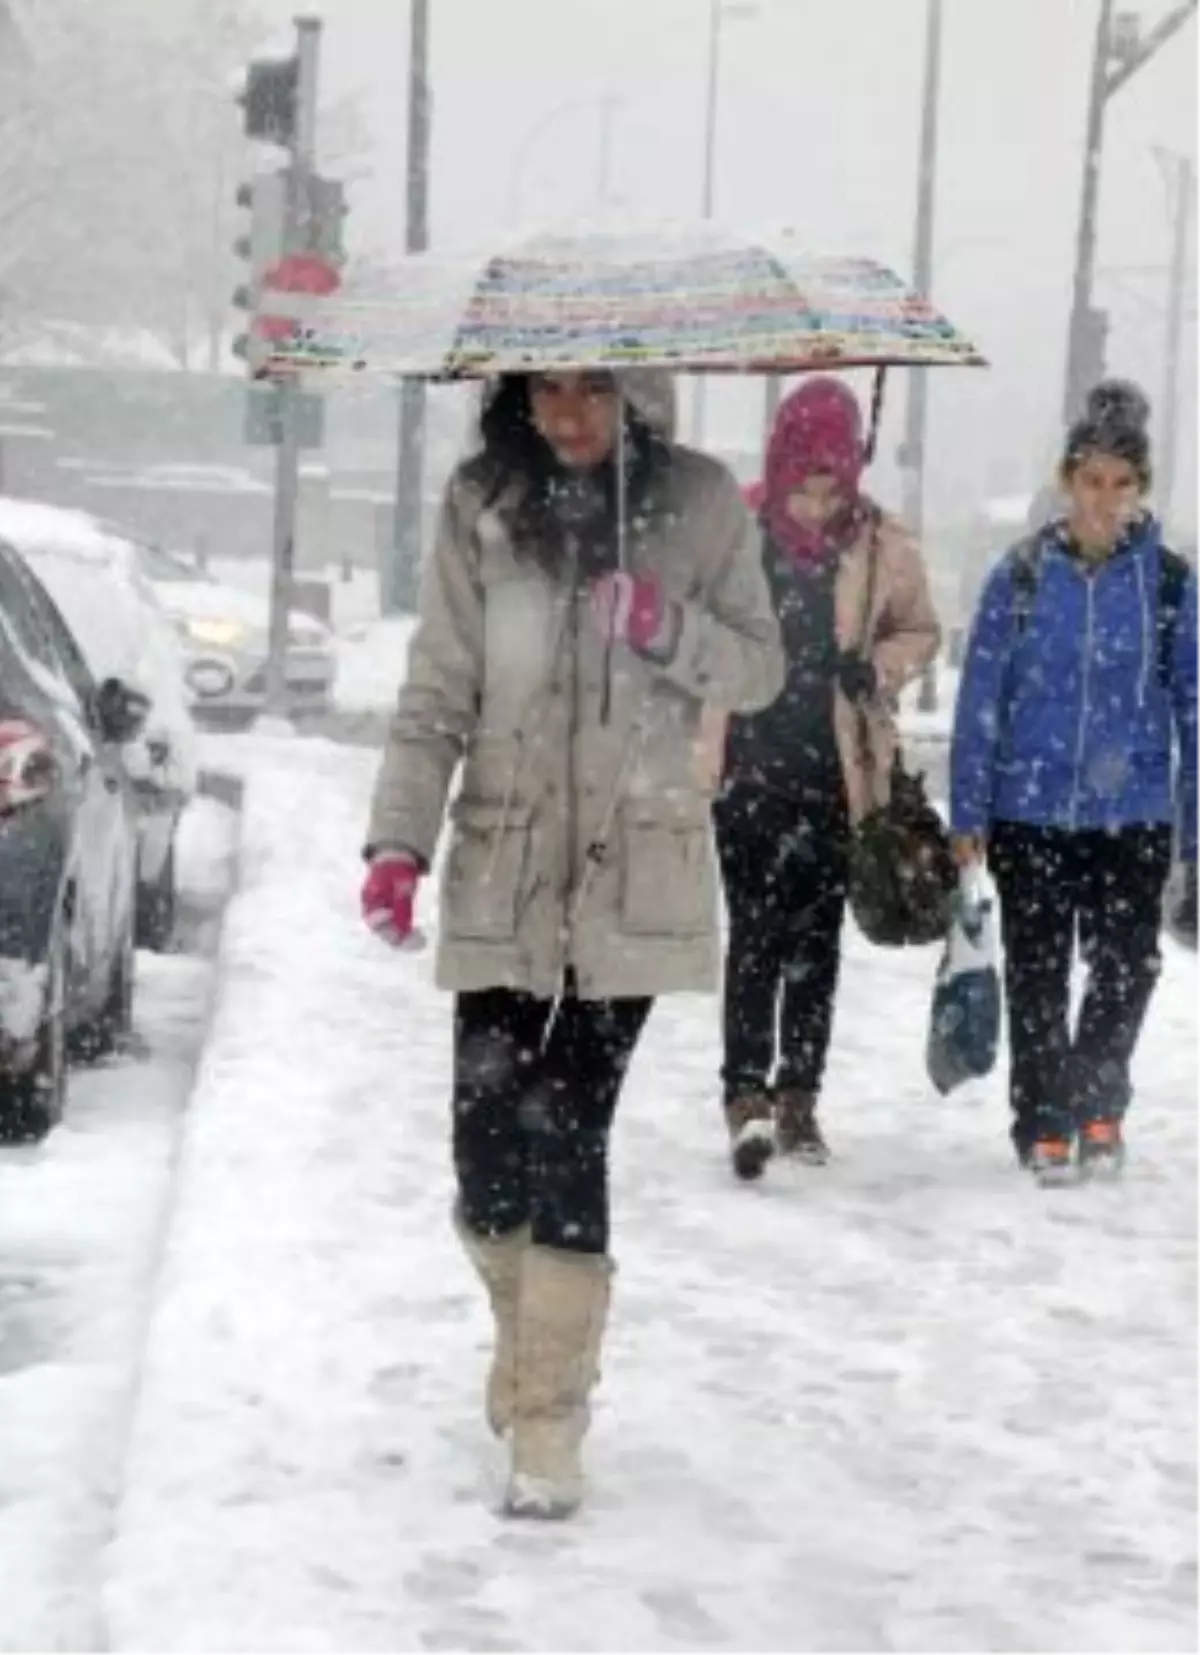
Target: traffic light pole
point(398, 588)
point(287, 457)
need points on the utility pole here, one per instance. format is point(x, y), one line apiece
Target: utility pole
point(912, 454)
point(398, 588)
point(287, 456)
point(1120, 52)
point(1081, 369)
point(772, 397)
point(216, 321)
point(1185, 211)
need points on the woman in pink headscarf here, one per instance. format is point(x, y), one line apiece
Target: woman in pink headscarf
point(853, 603)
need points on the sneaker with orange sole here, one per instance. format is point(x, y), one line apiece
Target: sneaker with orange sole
point(1101, 1149)
point(1051, 1162)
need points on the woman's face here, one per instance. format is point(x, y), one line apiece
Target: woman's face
point(817, 502)
point(576, 414)
point(1105, 495)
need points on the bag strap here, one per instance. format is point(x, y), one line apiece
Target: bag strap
point(862, 648)
point(872, 583)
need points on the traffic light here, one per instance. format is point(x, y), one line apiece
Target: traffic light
point(268, 100)
point(281, 228)
point(262, 247)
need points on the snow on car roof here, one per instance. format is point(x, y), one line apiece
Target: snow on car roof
point(55, 528)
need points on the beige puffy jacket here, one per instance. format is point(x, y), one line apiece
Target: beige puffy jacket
point(576, 842)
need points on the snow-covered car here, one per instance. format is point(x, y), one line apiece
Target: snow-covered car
point(68, 854)
point(224, 631)
point(92, 573)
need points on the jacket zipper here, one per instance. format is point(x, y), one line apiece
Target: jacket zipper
point(1090, 580)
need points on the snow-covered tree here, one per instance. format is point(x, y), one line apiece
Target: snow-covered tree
point(120, 156)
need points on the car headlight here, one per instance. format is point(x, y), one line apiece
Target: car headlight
point(217, 634)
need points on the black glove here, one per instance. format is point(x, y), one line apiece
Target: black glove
point(857, 676)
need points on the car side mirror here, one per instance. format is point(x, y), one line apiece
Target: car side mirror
point(121, 711)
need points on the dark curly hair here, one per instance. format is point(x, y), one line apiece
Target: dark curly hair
point(1113, 422)
point(550, 523)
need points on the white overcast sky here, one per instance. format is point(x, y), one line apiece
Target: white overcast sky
point(818, 125)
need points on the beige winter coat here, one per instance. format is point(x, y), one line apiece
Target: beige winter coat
point(574, 842)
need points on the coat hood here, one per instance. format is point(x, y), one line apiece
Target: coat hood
point(818, 429)
point(649, 391)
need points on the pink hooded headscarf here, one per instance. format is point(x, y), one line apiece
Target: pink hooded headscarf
point(818, 429)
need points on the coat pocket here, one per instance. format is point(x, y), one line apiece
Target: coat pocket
point(486, 871)
point(667, 881)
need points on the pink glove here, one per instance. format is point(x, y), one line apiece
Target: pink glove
point(634, 610)
point(388, 895)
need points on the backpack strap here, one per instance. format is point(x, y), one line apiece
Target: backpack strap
point(1027, 558)
point(1173, 572)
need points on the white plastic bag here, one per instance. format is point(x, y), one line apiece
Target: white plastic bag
point(964, 1018)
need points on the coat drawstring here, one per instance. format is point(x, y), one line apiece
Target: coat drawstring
point(622, 505)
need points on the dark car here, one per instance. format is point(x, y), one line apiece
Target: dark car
point(92, 572)
point(67, 856)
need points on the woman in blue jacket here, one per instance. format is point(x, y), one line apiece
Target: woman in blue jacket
point(1073, 764)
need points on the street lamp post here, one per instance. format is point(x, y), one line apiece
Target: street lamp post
point(912, 454)
point(608, 106)
point(716, 13)
point(719, 13)
point(1120, 52)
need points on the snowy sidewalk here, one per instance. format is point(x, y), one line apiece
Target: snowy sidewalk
point(81, 1220)
point(909, 1402)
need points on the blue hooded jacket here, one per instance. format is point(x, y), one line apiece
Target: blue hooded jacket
point(1066, 721)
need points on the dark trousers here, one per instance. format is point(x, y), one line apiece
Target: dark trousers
point(784, 867)
point(1109, 888)
point(535, 1088)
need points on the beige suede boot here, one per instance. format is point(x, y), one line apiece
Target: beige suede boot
point(561, 1317)
point(497, 1262)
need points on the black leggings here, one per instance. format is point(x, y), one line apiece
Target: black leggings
point(784, 866)
point(1109, 888)
point(536, 1084)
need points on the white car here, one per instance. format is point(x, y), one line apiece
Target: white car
point(92, 574)
point(224, 632)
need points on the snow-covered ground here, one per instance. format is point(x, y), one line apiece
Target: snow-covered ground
point(372, 659)
point(908, 1402)
point(81, 1220)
